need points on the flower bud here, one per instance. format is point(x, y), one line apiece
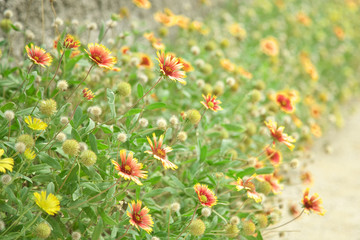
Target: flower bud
point(62, 85)
point(248, 227)
point(232, 230)
point(197, 227)
point(161, 123)
point(76, 236)
point(20, 147)
point(143, 122)
point(235, 220)
point(95, 111)
point(194, 116)
point(175, 206)
point(182, 136)
point(262, 220)
point(206, 212)
point(9, 115)
point(61, 137)
point(71, 147)
point(6, 179)
point(124, 89)
point(83, 146)
point(42, 230)
point(64, 120)
point(48, 107)
point(174, 120)
point(121, 137)
point(88, 158)
point(27, 140)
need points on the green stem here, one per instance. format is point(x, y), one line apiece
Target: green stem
point(288, 221)
point(17, 220)
point(87, 74)
point(67, 176)
point(188, 223)
point(37, 216)
point(127, 229)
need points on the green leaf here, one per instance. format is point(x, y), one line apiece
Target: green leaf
point(177, 182)
point(265, 170)
point(93, 143)
point(75, 135)
point(133, 112)
point(105, 217)
point(52, 162)
point(98, 230)
point(246, 172)
point(90, 186)
point(140, 90)
point(233, 127)
point(111, 101)
point(156, 106)
point(50, 188)
point(90, 213)
point(77, 116)
point(101, 32)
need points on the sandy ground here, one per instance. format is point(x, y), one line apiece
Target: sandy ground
point(337, 181)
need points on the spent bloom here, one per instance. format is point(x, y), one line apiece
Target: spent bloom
point(274, 156)
point(129, 168)
point(88, 94)
point(140, 217)
point(211, 103)
point(249, 188)
point(277, 134)
point(159, 151)
point(38, 55)
point(206, 197)
point(35, 123)
point(101, 55)
point(5, 163)
point(312, 203)
point(170, 67)
point(49, 203)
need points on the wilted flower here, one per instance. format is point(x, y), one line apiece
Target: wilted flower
point(70, 42)
point(274, 156)
point(38, 55)
point(129, 167)
point(49, 203)
point(206, 197)
point(140, 217)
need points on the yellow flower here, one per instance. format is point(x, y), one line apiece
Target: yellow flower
point(35, 124)
point(29, 154)
point(6, 163)
point(50, 204)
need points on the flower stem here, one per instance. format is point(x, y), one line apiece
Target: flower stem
point(17, 220)
point(127, 229)
point(67, 176)
point(87, 74)
point(22, 84)
point(37, 216)
point(288, 221)
point(188, 223)
point(157, 82)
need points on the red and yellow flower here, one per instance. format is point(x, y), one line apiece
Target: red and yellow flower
point(159, 152)
point(140, 217)
point(277, 134)
point(155, 42)
point(171, 67)
point(167, 18)
point(70, 42)
point(129, 168)
point(206, 197)
point(211, 103)
point(142, 3)
point(101, 55)
point(87, 93)
point(145, 61)
point(313, 203)
point(38, 55)
point(227, 65)
point(285, 102)
point(187, 67)
point(274, 156)
point(249, 187)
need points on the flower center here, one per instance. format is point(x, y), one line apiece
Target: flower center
point(249, 186)
point(98, 58)
point(203, 198)
point(127, 169)
point(168, 70)
point(137, 218)
point(211, 104)
point(161, 153)
point(36, 58)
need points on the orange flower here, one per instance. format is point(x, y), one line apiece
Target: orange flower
point(167, 18)
point(270, 46)
point(303, 19)
point(307, 178)
point(249, 187)
point(278, 134)
point(38, 55)
point(237, 31)
point(159, 152)
point(145, 61)
point(240, 70)
point(211, 102)
point(316, 130)
point(285, 102)
point(182, 21)
point(227, 65)
point(313, 203)
point(339, 32)
point(71, 42)
point(101, 55)
point(142, 3)
point(125, 49)
point(187, 67)
point(170, 67)
point(274, 182)
point(206, 197)
point(155, 42)
point(140, 217)
point(129, 167)
point(274, 156)
point(88, 94)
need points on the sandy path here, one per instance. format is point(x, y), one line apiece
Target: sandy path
point(337, 181)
